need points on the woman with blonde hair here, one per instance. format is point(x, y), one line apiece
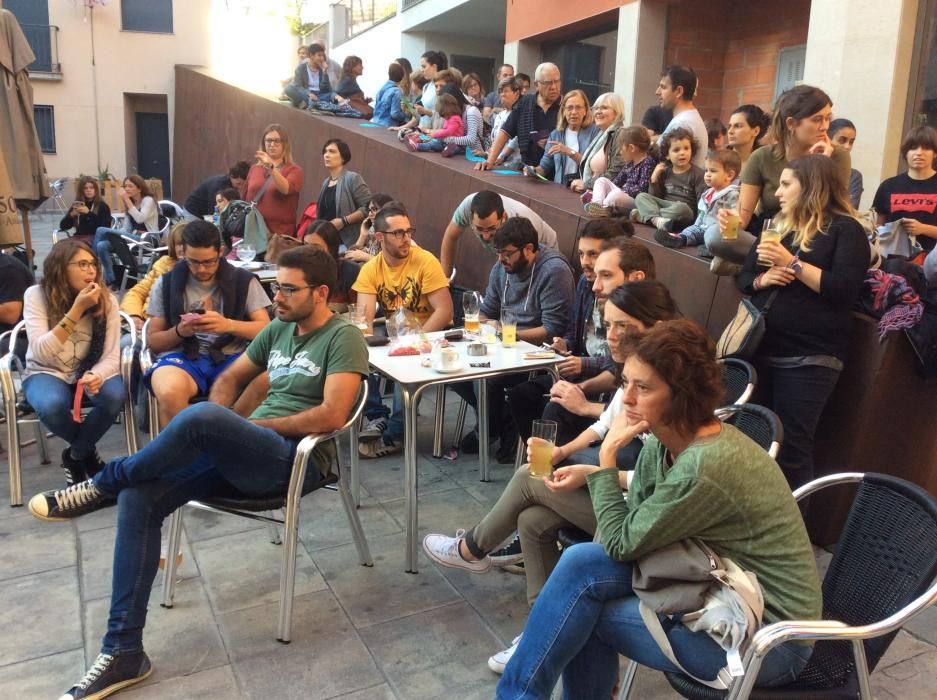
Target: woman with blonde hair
point(574, 131)
point(274, 181)
point(73, 328)
point(602, 158)
point(135, 300)
point(812, 279)
point(89, 212)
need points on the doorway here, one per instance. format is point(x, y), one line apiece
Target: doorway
point(146, 126)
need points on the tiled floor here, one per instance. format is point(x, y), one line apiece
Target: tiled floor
point(363, 633)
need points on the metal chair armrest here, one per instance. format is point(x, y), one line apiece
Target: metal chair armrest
point(128, 319)
point(828, 480)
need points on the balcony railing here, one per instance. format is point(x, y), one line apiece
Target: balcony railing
point(361, 15)
point(44, 41)
point(407, 4)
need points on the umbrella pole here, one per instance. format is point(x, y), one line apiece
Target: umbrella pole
point(27, 237)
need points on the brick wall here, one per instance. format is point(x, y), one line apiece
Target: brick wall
point(734, 48)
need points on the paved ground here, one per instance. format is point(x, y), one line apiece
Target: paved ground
point(362, 633)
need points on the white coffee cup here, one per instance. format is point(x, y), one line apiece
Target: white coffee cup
point(449, 358)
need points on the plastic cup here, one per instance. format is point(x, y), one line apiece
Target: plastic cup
point(769, 233)
point(543, 439)
point(508, 328)
point(731, 232)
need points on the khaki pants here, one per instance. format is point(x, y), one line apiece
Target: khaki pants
point(537, 513)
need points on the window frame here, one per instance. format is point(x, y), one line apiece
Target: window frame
point(50, 110)
point(123, 18)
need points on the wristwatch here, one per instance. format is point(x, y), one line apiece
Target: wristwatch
point(795, 265)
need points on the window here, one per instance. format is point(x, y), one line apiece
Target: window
point(790, 69)
point(146, 16)
point(922, 100)
point(44, 116)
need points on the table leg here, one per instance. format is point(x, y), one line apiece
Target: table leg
point(483, 430)
point(410, 402)
point(440, 418)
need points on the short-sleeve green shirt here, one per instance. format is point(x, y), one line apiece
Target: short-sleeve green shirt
point(764, 167)
point(299, 364)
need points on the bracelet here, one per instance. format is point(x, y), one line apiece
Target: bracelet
point(344, 221)
point(756, 284)
point(793, 263)
point(176, 329)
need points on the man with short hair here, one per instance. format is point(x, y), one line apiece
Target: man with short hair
point(316, 361)
point(486, 212)
point(310, 81)
point(401, 276)
point(532, 119)
point(675, 92)
point(491, 105)
point(15, 279)
point(583, 346)
point(201, 202)
point(536, 283)
point(202, 314)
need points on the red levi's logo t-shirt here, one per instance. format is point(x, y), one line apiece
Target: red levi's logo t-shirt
point(902, 197)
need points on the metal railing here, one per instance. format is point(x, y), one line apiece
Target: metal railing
point(407, 4)
point(44, 41)
point(361, 15)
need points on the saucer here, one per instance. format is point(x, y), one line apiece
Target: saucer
point(451, 370)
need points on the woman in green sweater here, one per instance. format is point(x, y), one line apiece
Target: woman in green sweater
point(695, 478)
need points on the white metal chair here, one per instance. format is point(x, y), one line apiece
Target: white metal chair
point(247, 507)
point(11, 370)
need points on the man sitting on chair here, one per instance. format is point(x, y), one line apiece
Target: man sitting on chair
point(316, 362)
point(202, 312)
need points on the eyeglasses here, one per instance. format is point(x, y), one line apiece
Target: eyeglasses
point(549, 83)
point(508, 254)
point(86, 265)
point(487, 229)
point(202, 263)
point(287, 290)
point(400, 233)
point(574, 108)
point(270, 141)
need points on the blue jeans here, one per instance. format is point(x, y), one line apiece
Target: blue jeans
point(435, 145)
point(52, 400)
point(206, 450)
point(587, 614)
point(299, 95)
point(374, 408)
point(103, 249)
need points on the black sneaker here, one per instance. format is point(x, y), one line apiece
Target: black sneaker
point(510, 554)
point(67, 503)
point(108, 674)
point(669, 240)
point(74, 469)
point(469, 443)
point(93, 464)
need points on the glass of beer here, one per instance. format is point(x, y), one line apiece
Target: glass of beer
point(542, 440)
point(731, 232)
point(508, 327)
point(769, 232)
point(470, 305)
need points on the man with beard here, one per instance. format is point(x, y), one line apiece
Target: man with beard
point(402, 276)
point(316, 361)
point(537, 284)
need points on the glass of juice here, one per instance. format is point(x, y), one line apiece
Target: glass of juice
point(470, 305)
point(542, 440)
point(769, 232)
point(508, 327)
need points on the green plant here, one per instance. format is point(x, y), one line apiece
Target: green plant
point(104, 174)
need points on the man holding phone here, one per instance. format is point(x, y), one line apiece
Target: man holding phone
point(203, 312)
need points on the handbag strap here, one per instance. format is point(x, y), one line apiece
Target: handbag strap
point(262, 190)
point(771, 298)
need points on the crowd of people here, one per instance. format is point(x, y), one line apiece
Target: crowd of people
point(639, 385)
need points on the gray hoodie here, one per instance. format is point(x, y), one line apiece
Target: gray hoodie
point(540, 296)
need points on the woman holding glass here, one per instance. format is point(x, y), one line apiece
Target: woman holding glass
point(799, 127)
point(88, 213)
point(812, 278)
point(696, 478)
point(142, 217)
point(532, 506)
point(73, 327)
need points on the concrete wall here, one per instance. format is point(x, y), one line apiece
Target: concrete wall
point(377, 47)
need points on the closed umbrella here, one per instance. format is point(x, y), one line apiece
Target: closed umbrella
point(19, 143)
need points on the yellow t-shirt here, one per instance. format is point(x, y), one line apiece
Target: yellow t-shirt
point(407, 285)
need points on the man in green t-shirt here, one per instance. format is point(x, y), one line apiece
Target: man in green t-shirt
point(316, 362)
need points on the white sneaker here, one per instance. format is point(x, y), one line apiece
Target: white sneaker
point(445, 550)
point(497, 662)
point(373, 429)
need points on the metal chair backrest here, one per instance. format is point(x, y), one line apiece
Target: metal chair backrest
point(759, 423)
point(885, 559)
point(739, 378)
